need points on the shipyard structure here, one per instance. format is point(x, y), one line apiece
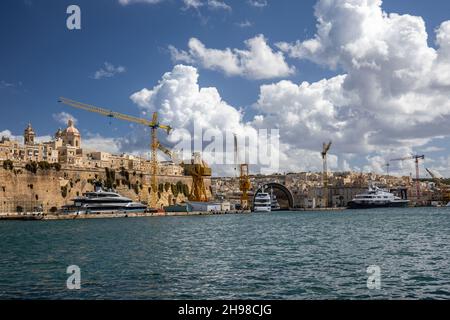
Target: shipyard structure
point(305, 190)
point(45, 176)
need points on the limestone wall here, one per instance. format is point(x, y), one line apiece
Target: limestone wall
point(52, 188)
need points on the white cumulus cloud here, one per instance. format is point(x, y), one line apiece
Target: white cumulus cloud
point(63, 118)
point(258, 61)
point(182, 103)
point(393, 91)
point(108, 71)
point(127, 2)
point(210, 4)
point(258, 3)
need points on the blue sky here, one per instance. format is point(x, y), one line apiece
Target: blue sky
point(40, 59)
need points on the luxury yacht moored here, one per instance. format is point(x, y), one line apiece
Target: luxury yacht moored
point(101, 201)
point(377, 198)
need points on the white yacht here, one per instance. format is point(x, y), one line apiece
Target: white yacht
point(376, 198)
point(101, 201)
point(263, 202)
point(274, 205)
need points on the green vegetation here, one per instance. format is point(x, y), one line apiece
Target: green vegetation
point(124, 173)
point(180, 187)
point(8, 165)
point(44, 165)
point(185, 190)
point(175, 191)
point(31, 167)
point(110, 178)
point(64, 191)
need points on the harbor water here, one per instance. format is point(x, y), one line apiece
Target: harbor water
point(285, 255)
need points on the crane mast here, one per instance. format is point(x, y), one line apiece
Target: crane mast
point(416, 158)
point(154, 125)
point(325, 149)
point(244, 179)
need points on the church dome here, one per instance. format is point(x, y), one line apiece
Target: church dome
point(71, 128)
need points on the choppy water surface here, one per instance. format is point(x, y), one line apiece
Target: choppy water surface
point(307, 255)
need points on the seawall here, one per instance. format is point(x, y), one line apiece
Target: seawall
point(23, 190)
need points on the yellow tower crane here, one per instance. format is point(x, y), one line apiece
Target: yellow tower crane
point(325, 149)
point(244, 185)
point(244, 180)
point(153, 124)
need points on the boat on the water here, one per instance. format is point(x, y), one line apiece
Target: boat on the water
point(101, 201)
point(263, 202)
point(274, 205)
point(377, 198)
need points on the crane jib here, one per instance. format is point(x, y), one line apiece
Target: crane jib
point(154, 125)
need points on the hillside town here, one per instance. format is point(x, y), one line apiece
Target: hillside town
point(66, 149)
point(306, 189)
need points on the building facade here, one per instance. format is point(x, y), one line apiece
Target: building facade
point(66, 149)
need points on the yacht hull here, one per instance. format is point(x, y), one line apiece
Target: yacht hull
point(396, 204)
point(262, 209)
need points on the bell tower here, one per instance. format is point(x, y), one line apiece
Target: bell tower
point(29, 135)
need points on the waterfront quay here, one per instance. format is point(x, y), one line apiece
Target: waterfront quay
point(107, 215)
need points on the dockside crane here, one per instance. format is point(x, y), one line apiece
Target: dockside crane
point(325, 149)
point(244, 179)
point(443, 188)
point(153, 124)
point(416, 158)
point(198, 169)
point(387, 166)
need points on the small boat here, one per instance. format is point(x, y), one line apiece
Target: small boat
point(377, 198)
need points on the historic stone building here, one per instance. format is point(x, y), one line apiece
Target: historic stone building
point(66, 148)
point(28, 185)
